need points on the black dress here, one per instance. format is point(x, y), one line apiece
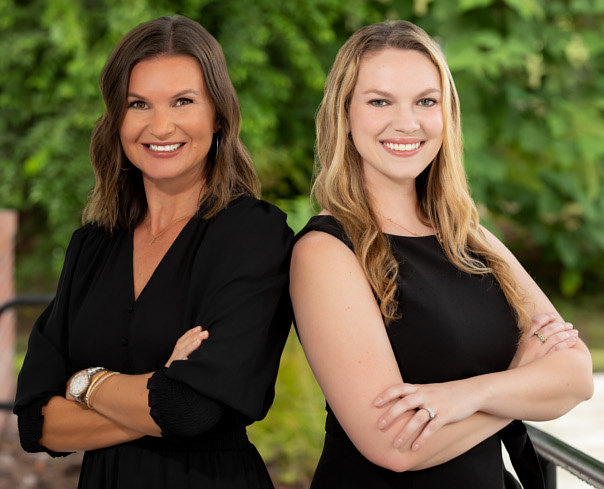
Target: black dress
point(453, 326)
point(228, 274)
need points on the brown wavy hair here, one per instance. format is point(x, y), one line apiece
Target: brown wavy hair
point(118, 198)
point(443, 195)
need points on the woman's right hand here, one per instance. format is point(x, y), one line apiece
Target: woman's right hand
point(556, 333)
point(187, 344)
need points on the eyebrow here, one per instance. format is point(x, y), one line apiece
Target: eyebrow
point(382, 93)
point(188, 91)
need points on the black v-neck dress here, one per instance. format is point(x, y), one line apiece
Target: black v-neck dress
point(228, 274)
point(452, 326)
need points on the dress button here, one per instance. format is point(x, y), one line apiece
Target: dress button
point(125, 341)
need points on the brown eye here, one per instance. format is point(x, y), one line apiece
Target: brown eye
point(183, 101)
point(138, 104)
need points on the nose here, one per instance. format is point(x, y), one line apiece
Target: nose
point(405, 120)
point(162, 123)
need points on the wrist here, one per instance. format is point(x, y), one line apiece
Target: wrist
point(80, 383)
point(95, 384)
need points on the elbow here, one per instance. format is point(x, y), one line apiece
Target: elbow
point(392, 459)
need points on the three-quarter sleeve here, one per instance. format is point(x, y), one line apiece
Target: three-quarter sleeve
point(44, 373)
point(239, 293)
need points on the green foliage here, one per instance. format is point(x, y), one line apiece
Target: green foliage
point(291, 436)
point(526, 71)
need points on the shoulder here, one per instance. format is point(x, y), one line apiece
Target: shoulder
point(246, 212)
point(250, 226)
point(321, 248)
point(498, 246)
point(323, 224)
point(89, 235)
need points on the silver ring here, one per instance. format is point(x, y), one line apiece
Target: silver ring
point(430, 412)
point(541, 337)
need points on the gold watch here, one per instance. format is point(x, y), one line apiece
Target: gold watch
point(80, 382)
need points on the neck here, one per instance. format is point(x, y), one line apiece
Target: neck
point(164, 206)
point(397, 211)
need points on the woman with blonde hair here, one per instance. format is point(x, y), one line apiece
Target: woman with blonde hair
point(415, 319)
point(164, 339)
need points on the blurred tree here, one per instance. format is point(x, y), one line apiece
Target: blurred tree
point(527, 72)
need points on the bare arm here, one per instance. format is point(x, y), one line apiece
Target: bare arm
point(69, 426)
point(121, 410)
point(543, 389)
point(553, 378)
point(345, 341)
point(344, 338)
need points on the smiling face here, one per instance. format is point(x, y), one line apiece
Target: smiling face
point(395, 115)
point(169, 124)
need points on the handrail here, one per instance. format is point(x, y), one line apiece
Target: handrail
point(581, 465)
point(27, 300)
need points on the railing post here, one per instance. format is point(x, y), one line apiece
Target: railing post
point(549, 472)
point(8, 231)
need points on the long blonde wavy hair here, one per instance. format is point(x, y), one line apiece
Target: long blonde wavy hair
point(443, 196)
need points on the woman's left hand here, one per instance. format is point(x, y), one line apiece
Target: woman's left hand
point(187, 344)
point(435, 405)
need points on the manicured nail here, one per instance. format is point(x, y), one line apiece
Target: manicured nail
point(378, 401)
point(382, 424)
point(575, 332)
point(398, 442)
point(415, 447)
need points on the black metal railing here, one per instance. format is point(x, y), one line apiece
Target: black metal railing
point(552, 452)
point(30, 300)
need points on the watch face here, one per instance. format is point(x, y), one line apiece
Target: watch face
point(79, 384)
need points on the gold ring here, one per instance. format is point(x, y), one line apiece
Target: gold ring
point(541, 337)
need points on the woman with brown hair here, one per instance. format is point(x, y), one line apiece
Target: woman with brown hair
point(172, 310)
point(410, 312)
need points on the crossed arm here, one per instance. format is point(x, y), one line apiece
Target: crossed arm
point(344, 338)
point(121, 409)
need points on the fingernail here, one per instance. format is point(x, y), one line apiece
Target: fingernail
point(554, 314)
point(378, 401)
point(382, 424)
point(204, 334)
point(569, 325)
point(398, 442)
point(575, 332)
point(415, 447)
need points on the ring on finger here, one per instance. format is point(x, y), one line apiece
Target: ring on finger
point(539, 335)
point(430, 412)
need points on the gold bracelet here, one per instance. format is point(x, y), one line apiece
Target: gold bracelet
point(95, 384)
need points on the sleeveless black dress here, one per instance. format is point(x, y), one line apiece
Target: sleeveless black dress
point(453, 325)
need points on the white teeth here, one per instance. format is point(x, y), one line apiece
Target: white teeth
point(167, 148)
point(402, 147)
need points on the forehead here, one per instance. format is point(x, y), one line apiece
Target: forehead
point(172, 72)
point(394, 70)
